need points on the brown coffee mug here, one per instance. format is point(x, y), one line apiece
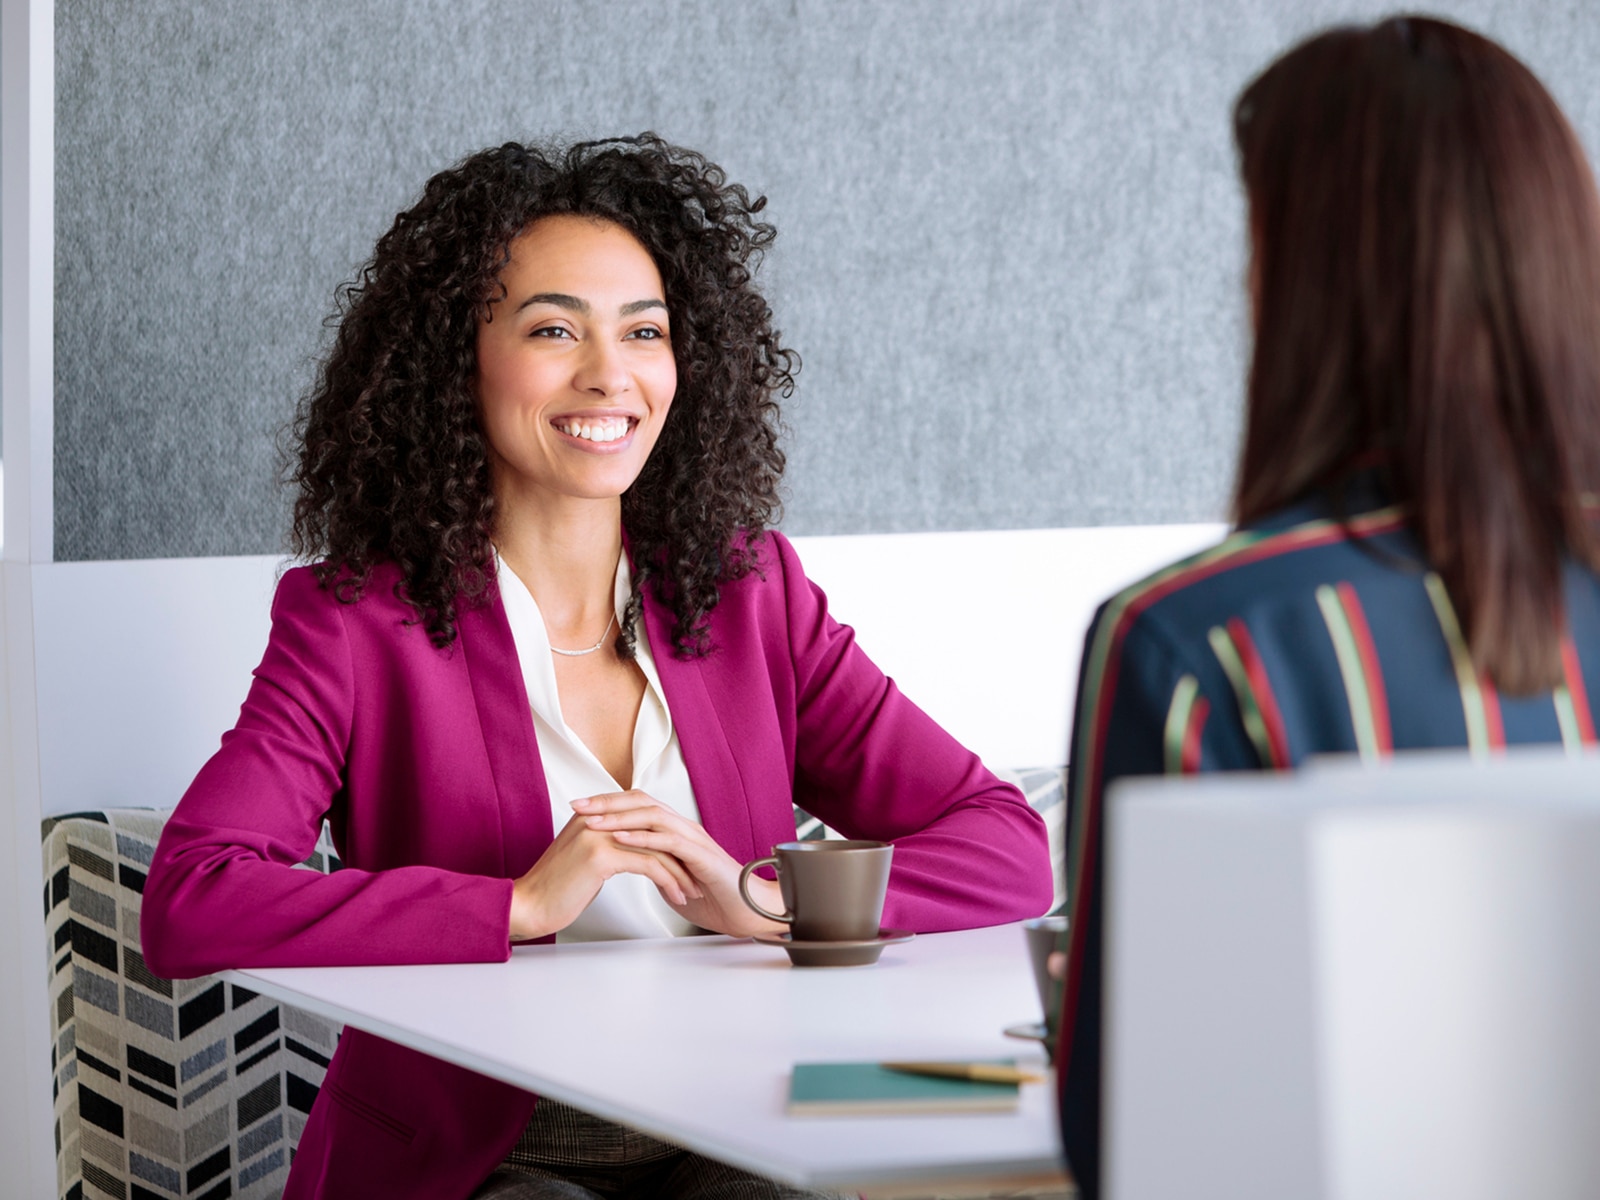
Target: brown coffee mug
point(832, 890)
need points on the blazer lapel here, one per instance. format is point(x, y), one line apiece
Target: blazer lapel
point(508, 736)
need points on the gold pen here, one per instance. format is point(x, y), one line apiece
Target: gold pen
point(978, 1072)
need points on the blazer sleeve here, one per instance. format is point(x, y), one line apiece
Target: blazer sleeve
point(223, 889)
point(968, 849)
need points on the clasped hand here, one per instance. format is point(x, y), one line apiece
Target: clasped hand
point(631, 833)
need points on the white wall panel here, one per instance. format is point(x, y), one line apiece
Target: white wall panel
point(984, 630)
point(142, 666)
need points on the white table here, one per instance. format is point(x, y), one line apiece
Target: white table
point(691, 1040)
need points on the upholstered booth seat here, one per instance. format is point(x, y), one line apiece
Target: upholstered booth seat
point(196, 1088)
point(163, 1088)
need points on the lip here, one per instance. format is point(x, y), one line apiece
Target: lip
point(613, 447)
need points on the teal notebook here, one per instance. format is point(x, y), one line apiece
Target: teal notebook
point(841, 1089)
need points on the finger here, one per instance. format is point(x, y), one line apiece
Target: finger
point(650, 815)
point(698, 858)
point(575, 825)
point(654, 867)
point(670, 887)
point(605, 802)
point(690, 837)
point(662, 869)
point(676, 869)
point(653, 816)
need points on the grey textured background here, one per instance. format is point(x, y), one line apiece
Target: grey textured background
point(1010, 243)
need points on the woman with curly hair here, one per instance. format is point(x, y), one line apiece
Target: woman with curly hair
point(550, 674)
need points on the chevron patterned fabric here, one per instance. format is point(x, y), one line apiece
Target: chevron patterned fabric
point(162, 1089)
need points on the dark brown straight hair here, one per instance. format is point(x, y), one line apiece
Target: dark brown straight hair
point(1426, 286)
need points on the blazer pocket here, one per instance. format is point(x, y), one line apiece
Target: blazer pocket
point(359, 1108)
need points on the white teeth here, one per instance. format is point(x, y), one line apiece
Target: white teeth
point(606, 430)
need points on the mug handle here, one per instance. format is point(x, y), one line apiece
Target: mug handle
point(744, 876)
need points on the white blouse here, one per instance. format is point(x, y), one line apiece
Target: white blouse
point(627, 906)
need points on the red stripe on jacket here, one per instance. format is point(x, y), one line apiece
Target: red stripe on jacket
point(1377, 696)
point(1256, 673)
point(1189, 762)
point(1573, 670)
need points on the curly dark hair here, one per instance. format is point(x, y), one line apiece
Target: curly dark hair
point(389, 457)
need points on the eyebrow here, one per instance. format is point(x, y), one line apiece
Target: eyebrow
point(559, 299)
point(580, 306)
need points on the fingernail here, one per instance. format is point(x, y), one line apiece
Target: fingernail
point(583, 803)
point(593, 821)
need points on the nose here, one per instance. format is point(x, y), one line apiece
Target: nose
point(601, 369)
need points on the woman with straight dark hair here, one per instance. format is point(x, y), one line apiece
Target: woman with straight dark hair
point(1415, 557)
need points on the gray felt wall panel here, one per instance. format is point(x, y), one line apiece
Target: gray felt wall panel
point(1010, 236)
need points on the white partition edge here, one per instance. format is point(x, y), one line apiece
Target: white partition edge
point(27, 291)
point(27, 1136)
point(27, 247)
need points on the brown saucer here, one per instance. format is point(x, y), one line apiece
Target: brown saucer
point(853, 953)
point(1028, 1031)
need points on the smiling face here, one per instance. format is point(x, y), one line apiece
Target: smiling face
point(575, 368)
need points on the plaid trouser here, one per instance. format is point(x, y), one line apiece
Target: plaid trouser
point(566, 1154)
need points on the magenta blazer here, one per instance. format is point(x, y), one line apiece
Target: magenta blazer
point(426, 765)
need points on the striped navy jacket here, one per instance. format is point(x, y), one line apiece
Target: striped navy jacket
point(1301, 634)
